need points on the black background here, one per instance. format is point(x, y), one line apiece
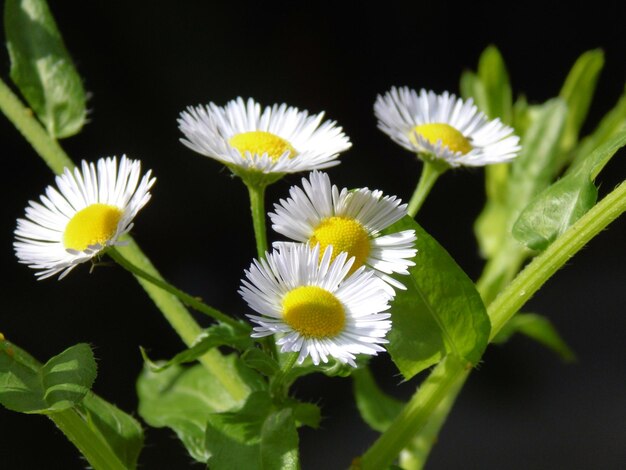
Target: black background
point(143, 62)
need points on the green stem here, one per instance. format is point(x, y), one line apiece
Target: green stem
point(25, 122)
point(257, 207)
point(187, 299)
point(414, 417)
point(173, 310)
point(278, 383)
point(500, 270)
point(430, 173)
point(447, 377)
point(96, 451)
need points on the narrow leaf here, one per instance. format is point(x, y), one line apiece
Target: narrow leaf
point(495, 82)
point(577, 93)
point(279, 442)
point(121, 431)
point(217, 335)
point(184, 398)
point(42, 68)
point(28, 387)
point(259, 360)
point(439, 312)
point(538, 328)
point(377, 408)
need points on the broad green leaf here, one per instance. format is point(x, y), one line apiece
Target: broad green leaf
point(613, 123)
point(259, 360)
point(184, 398)
point(119, 430)
point(42, 68)
point(577, 93)
point(279, 442)
point(28, 387)
point(555, 209)
point(217, 335)
point(538, 328)
point(495, 82)
point(439, 312)
point(377, 408)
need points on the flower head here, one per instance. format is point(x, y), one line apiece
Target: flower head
point(88, 211)
point(349, 221)
point(444, 128)
point(277, 139)
point(317, 307)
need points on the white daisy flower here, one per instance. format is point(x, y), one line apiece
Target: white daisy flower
point(350, 221)
point(90, 209)
point(444, 128)
point(317, 308)
point(277, 139)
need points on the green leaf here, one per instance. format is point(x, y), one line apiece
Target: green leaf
point(42, 68)
point(307, 414)
point(613, 123)
point(439, 312)
point(377, 408)
point(183, 399)
point(217, 335)
point(279, 442)
point(28, 387)
point(495, 82)
point(538, 328)
point(577, 93)
point(555, 209)
point(258, 359)
point(120, 431)
point(472, 87)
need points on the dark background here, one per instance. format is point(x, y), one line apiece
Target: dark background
point(143, 62)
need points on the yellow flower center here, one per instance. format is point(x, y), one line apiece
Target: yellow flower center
point(344, 234)
point(313, 312)
point(448, 135)
point(260, 142)
point(95, 224)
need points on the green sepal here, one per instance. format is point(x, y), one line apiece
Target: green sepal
point(212, 337)
point(27, 386)
point(439, 312)
point(538, 328)
point(42, 68)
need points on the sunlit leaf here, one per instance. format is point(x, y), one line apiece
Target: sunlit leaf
point(439, 312)
point(42, 68)
point(28, 387)
point(279, 442)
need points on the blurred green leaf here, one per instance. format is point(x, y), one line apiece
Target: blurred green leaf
point(556, 208)
point(279, 442)
point(212, 337)
point(577, 93)
point(119, 430)
point(495, 83)
point(42, 68)
point(439, 312)
point(613, 123)
point(538, 328)
point(377, 408)
point(259, 360)
point(183, 399)
point(28, 387)
point(307, 414)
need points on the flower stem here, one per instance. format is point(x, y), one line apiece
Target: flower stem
point(173, 310)
point(96, 451)
point(445, 381)
point(185, 298)
point(430, 173)
point(278, 383)
point(257, 207)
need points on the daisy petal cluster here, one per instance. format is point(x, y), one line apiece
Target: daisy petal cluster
point(276, 139)
point(350, 221)
point(88, 211)
point(317, 306)
point(444, 128)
